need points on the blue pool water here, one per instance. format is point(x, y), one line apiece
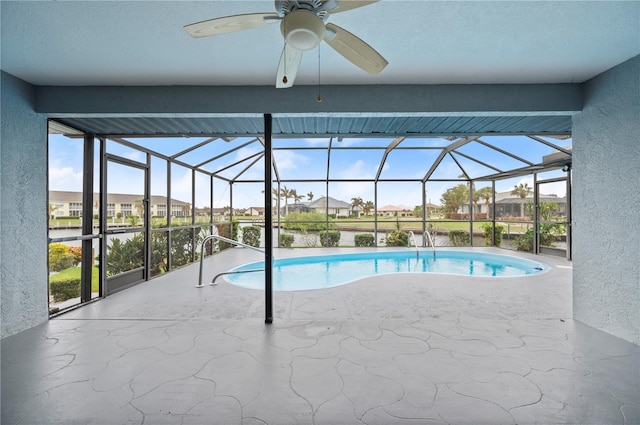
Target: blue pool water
point(317, 272)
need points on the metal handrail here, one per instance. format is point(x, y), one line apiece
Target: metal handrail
point(223, 239)
point(411, 237)
point(213, 281)
point(433, 246)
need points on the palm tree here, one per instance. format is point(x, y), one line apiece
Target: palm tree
point(294, 194)
point(52, 208)
point(286, 194)
point(310, 196)
point(521, 190)
point(367, 207)
point(357, 202)
point(276, 196)
point(485, 193)
point(356, 205)
point(139, 207)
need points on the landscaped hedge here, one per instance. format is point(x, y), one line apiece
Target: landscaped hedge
point(65, 289)
point(251, 235)
point(227, 230)
point(487, 231)
point(364, 240)
point(286, 240)
point(459, 237)
point(308, 221)
point(330, 239)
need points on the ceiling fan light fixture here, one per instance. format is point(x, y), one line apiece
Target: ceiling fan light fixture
point(302, 29)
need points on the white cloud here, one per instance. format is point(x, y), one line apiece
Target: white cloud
point(289, 160)
point(181, 186)
point(137, 156)
point(65, 178)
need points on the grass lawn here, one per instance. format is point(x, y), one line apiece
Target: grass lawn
point(74, 273)
point(406, 224)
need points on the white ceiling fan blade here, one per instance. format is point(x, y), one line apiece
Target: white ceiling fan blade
point(344, 5)
point(354, 49)
point(230, 24)
point(288, 67)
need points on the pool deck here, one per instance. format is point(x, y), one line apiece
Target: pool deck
point(390, 349)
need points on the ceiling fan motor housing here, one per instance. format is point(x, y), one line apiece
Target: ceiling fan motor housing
point(302, 29)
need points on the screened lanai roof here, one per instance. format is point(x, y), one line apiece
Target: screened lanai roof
point(393, 149)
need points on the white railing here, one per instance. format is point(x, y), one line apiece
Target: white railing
point(412, 237)
point(427, 235)
point(223, 239)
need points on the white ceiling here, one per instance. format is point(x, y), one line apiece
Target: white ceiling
point(425, 42)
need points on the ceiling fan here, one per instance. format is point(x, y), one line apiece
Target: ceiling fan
point(303, 26)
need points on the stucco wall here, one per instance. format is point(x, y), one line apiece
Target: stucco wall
point(606, 203)
point(23, 207)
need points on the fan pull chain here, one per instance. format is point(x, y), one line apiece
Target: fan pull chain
point(319, 98)
point(284, 53)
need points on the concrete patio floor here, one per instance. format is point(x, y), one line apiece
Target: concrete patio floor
point(393, 349)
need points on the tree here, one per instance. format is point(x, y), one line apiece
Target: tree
point(310, 196)
point(133, 219)
point(357, 202)
point(286, 194)
point(486, 193)
point(277, 196)
point(368, 206)
point(356, 206)
point(138, 205)
point(294, 194)
point(417, 211)
point(454, 197)
point(52, 208)
point(521, 190)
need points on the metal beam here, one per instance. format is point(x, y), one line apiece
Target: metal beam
point(502, 151)
point(477, 161)
point(250, 102)
point(551, 145)
point(394, 143)
point(268, 222)
point(194, 147)
point(455, 145)
point(225, 153)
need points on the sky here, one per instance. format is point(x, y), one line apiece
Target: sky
point(349, 161)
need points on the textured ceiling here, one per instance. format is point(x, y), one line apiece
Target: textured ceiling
point(322, 125)
point(425, 42)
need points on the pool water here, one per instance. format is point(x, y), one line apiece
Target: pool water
point(317, 272)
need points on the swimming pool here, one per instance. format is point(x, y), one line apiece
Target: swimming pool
point(326, 271)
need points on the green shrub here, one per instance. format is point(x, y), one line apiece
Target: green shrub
point(159, 253)
point(459, 237)
point(182, 247)
point(397, 238)
point(59, 257)
point(548, 235)
point(286, 240)
point(330, 238)
point(122, 257)
point(251, 235)
point(487, 231)
point(227, 230)
point(65, 289)
point(524, 242)
point(309, 221)
point(364, 239)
